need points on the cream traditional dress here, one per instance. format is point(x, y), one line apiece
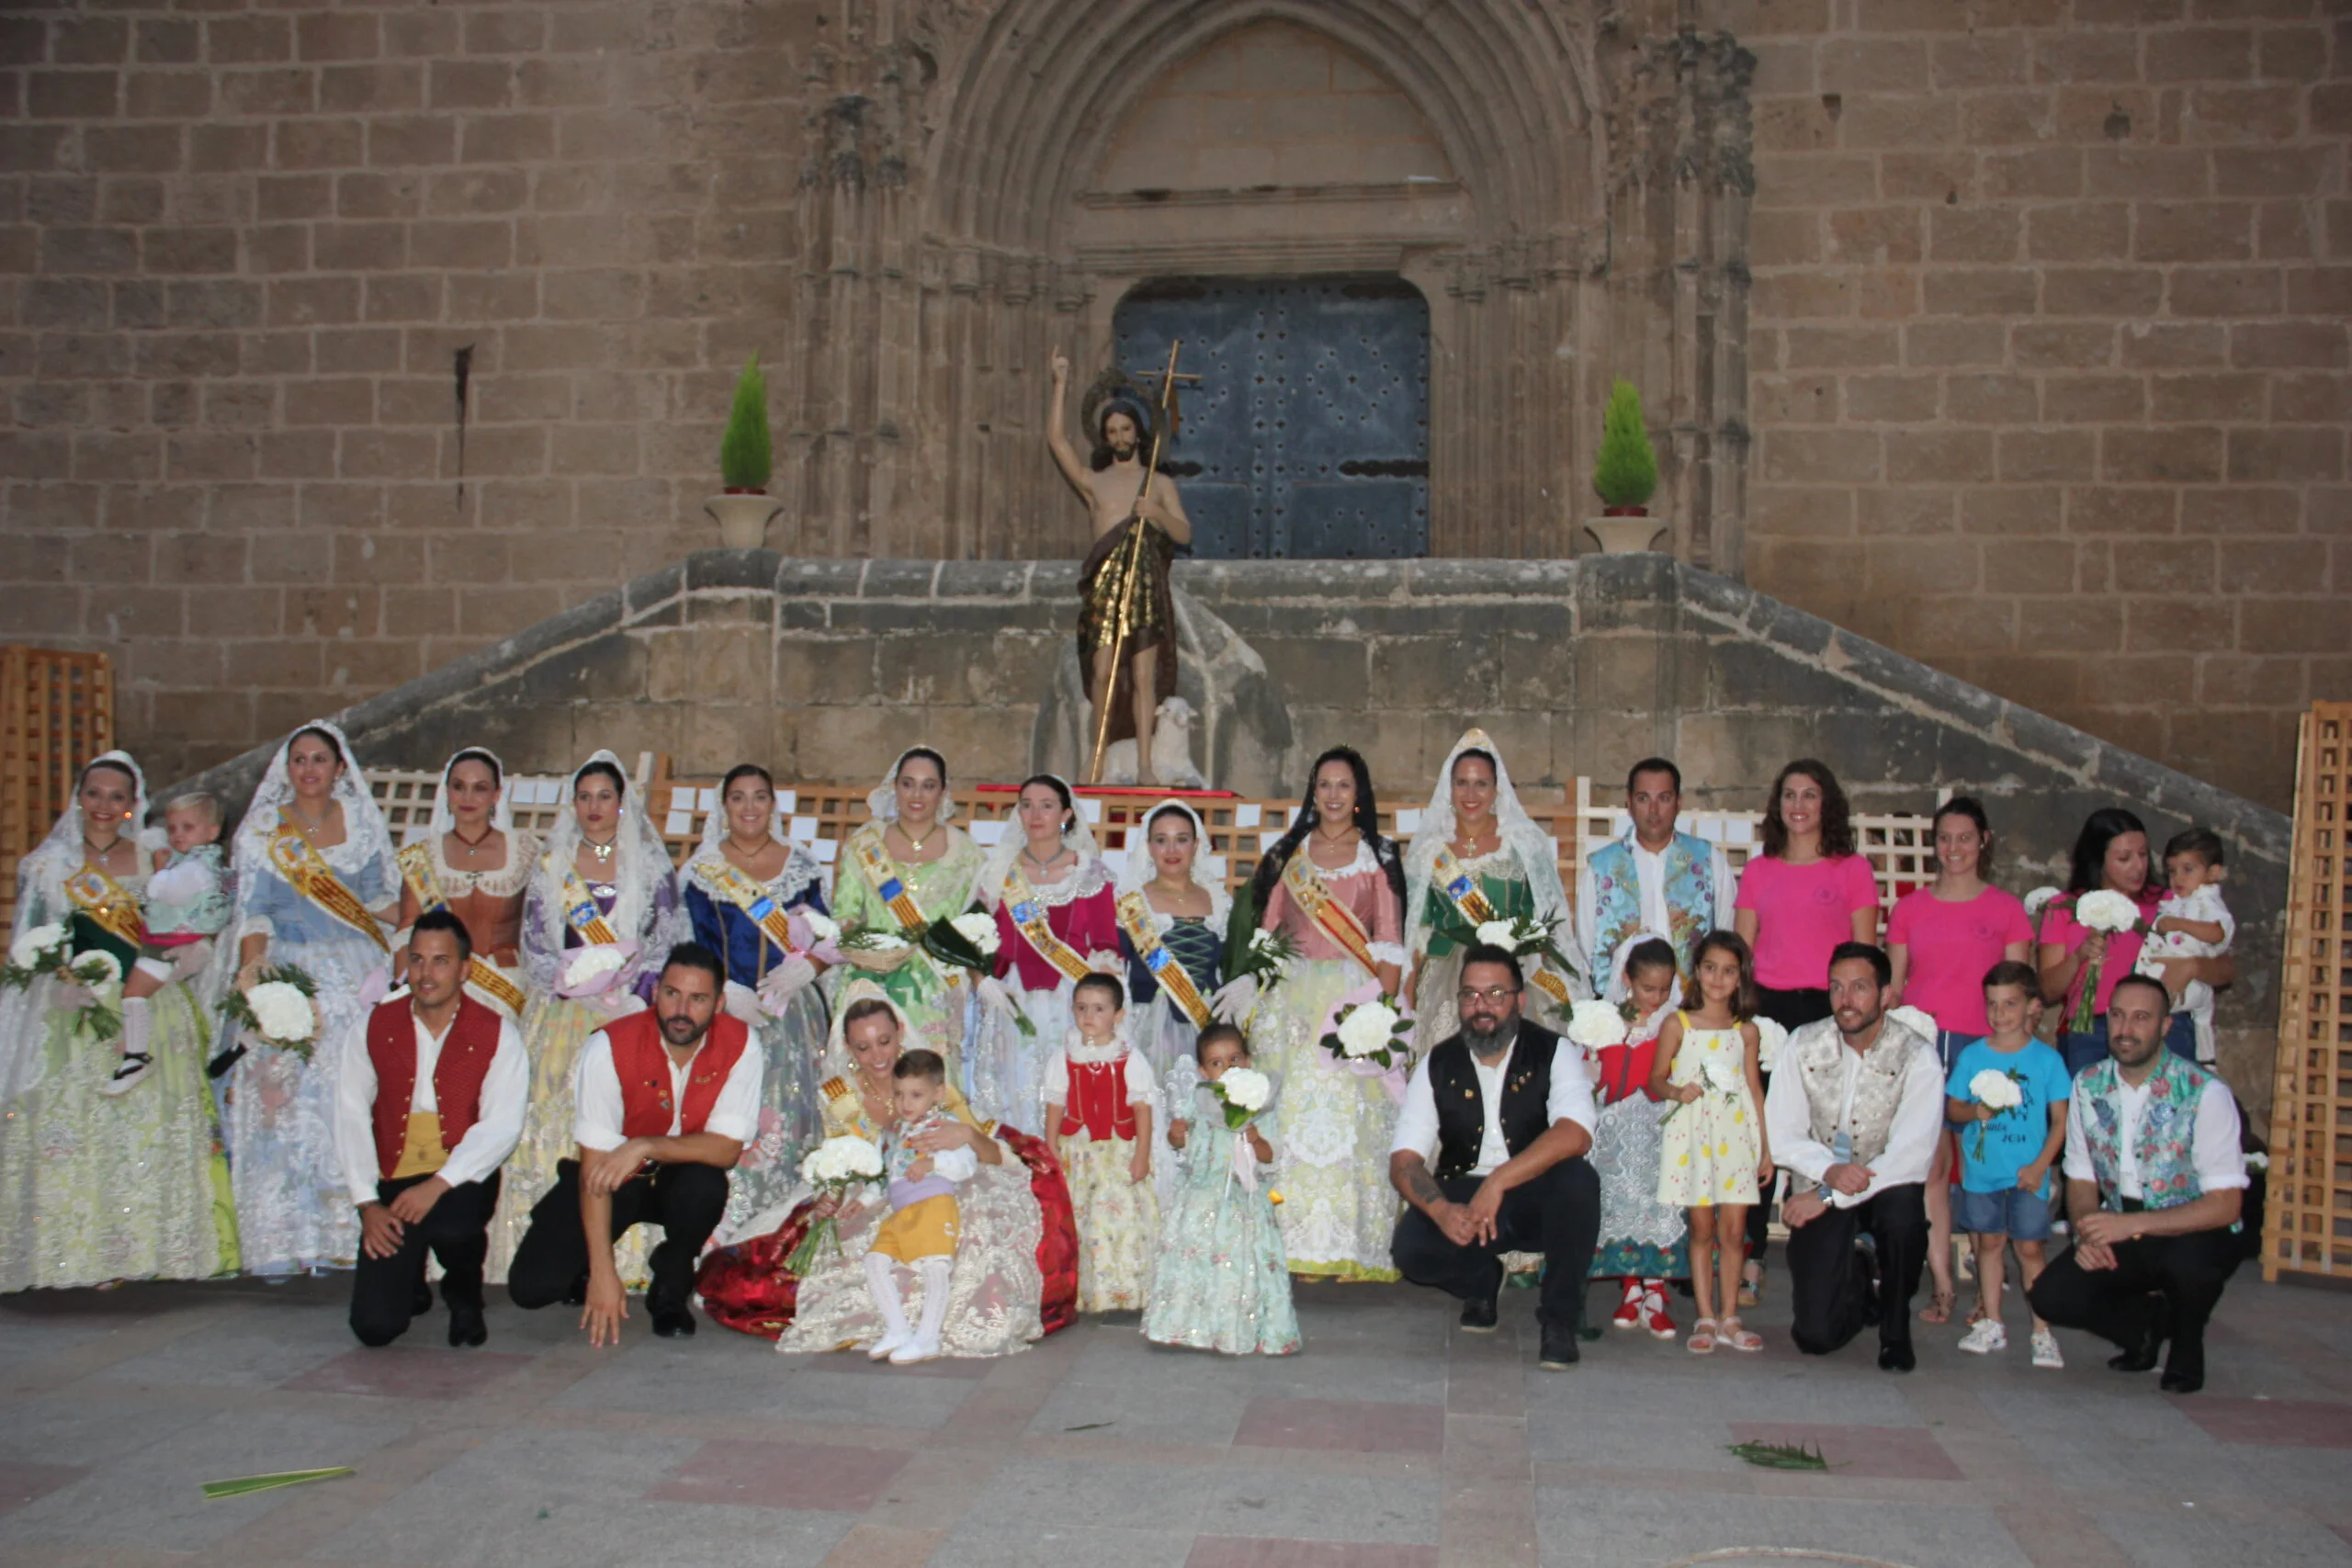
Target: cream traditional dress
point(1161, 1022)
point(1446, 893)
point(563, 914)
point(93, 1187)
point(995, 1284)
point(720, 899)
point(873, 890)
point(489, 902)
point(278, 1111)
point(1331, 1127)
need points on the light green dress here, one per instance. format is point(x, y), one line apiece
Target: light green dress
point(934, 997)
point(1222, 1279)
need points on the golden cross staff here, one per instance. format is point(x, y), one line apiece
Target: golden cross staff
point(1126, 562)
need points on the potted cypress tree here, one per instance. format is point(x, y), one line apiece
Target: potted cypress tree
point(745, 463)
point(1625, 474)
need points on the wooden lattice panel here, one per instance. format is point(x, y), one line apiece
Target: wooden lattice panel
point(56, 713)
point(2309, 1223)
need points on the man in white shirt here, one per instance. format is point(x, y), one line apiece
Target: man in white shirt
point(1489, 1156)
point(428, 1107)
point(1854, 1113)
point(665, 1101)
point(2156, 1178)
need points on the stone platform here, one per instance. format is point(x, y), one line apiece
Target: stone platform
point(1394, 1441)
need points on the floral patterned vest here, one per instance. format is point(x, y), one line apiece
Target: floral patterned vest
point(1820, 1052)
point(2167, 1140)
point(1690, 895)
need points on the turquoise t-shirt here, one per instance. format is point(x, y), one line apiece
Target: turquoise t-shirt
point(2013, 1138)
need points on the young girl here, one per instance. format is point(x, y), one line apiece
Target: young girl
point(1642, 1240)
point(1099, 1093)
point(1717, 1156)
point(1223, 1280)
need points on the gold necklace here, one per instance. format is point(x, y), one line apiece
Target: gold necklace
point(603, 852)
point(913, 843)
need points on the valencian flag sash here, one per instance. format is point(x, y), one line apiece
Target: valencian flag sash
point(883, 873)
point(580, 911)
point(307, 872)
point(417, 870)
point(1334, 919)
point(1462, 891)
point(1029, 916)
point(1135, 919)
point(751, 898)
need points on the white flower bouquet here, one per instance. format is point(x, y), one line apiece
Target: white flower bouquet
point(872, 939)
point(1917, 1020)
point(1243, 1092)
point(37, 951)
point(821, 927)
point(2110, 913)
point(1525, 937)
point(2041, 898)
point(1596, 1026)
point(835, 1167)
point(2002, 1091)
point(970, 941)
point(592, 971)
point(1371, 1037)
point(1715, 1076)
point(1771, 1035)
point(278, 1010)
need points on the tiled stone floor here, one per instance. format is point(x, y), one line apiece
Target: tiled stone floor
point(1395, 1441)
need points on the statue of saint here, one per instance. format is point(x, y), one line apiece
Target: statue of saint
point(1122, 493)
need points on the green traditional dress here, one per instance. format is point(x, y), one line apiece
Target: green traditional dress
point(934, 997)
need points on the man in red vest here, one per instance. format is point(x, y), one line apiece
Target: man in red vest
point(428, 1109)
point(664, 1102)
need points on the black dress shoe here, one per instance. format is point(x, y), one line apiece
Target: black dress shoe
point(421, 1302)
point(2181, 1383)
point(465, 1326)
point(2139, 1358)
point(1896, 1358)
point(1481, 1314)
point(578, 1295)
point(1560, 1351)
point(676, 1323)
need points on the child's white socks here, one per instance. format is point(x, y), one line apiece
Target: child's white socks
point(924, 1344)
point(883, 1282)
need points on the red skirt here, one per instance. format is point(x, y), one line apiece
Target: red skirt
point(747, 1287)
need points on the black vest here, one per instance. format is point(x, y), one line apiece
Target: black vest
point(1462, 1109)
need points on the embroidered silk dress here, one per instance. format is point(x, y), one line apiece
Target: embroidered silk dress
point(1333, 1127)
point(1008, 1066)
point(1097, 1087)
point(1642, 1236)
point(490, 905)
point(790, 1114)
point(937, 998)
point(1222, 1280)
point(1437, 1015)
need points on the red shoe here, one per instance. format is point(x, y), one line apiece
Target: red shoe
point(1654, 1315)
point(1629, 1313)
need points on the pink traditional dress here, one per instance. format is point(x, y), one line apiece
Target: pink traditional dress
point(1048, 934)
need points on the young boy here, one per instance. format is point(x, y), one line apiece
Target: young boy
point(1099, 1095)
point(2005, 1155)
point(2191, 922)
point(921, 1227)
point(188, 906)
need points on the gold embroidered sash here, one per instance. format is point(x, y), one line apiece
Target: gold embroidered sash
point(1451, 878)
point(748, 896)
point(108, 905)
point(1029, 917)
point(1334, 919)
point(580, 911)
point(1135, 919)
point(425, 881)
point(307, 872)
point(882, 872)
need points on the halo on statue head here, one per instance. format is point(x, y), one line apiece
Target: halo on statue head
point(1116, 392)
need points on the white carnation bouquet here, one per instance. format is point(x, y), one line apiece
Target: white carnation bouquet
point(821, 927)
point(1717, 1077)
point(277, 1009)
point(1370, 1035)
point(1243, 1092)
point(37, 951)
point(970, 941)
point(1771, 1036)
point(1596, 1025)
point(2038, 900)
point(592, 971)
point(1917, 1020)
point(2001, 1091)
point(835, 1168)
point(96, 974)
point(1524, 937)
point(2112, 913)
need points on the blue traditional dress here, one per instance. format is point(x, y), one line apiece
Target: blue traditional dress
point(1222, 1279)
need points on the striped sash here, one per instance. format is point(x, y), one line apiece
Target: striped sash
point(751, 898)
point(1461, 890)
point(425, 881)
point(1135, 919)
point(1334, 919)
point(1029, 916)
point(882, 872)
point(109, 906)
point(580, 911)
point(307, 872)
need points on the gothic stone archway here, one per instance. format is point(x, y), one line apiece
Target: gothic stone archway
point(1572, 206)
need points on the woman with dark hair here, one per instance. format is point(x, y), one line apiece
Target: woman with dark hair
point(1058, 921)
point(1335, 887)
point(316, 881)
point(1173, 910)
point(750, 892)
point(2110, 854)
point(1943, 938)
point(1805, 893)
point(98, 1186)
point(474, 862)
point(599, 918)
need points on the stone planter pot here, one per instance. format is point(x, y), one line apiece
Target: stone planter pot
point(743, 519)
point(1624, 536)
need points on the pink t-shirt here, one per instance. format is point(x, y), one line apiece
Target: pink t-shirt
point(2060, 927)
point(1951, 947)
point(1802, 912)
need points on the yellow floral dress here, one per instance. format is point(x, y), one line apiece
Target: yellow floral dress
point(1714, 1143)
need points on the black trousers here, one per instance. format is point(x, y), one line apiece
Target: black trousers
point(2167, 1284)
point(686, 1201)
point(1557, 1215)
point(1792, 1011)
point(457, 1230)
point(1829, 1283)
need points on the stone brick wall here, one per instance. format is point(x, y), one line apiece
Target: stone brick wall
point(2051, 367)
point(824, 668)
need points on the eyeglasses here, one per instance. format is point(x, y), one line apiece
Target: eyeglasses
point(1494, 994)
